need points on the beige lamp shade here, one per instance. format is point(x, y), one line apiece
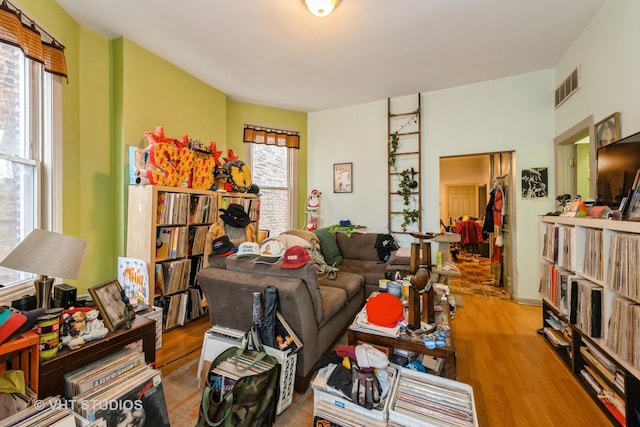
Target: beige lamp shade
point(48, 254)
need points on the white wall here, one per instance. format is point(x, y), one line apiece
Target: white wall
point(355, 135)
point(607, 53)
point(514, 113)
point(511, 114)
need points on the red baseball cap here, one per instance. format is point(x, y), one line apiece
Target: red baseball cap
point(385, 310)
point(295, 257)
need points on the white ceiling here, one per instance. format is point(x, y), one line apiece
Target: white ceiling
point(275, 53)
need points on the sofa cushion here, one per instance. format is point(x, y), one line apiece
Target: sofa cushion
point(307, 274)
point(360, 246)
point(350, 283)
point(372, 271)
point(333, 300)
point(329, 247)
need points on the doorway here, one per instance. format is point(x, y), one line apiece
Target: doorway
point(466, 185)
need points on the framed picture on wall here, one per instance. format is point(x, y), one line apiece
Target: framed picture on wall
point(608, 130)
point(343, 177)
point(535, 183)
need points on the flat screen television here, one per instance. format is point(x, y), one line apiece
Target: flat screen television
point(617, 164)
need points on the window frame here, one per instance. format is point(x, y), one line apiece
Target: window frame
point(292, 181)
point(43, 93)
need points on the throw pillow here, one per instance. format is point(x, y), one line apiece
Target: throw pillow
point(329, 247)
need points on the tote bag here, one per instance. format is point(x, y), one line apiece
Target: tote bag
point(250, 400)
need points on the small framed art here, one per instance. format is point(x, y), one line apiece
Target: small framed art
point(633, 213)
point(108, 299)
point(608, 130)
point(343, 177)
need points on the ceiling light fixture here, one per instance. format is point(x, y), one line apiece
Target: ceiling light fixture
point(321, 8)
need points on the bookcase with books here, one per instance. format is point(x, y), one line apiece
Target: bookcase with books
point(590, 287)
point(167, 228)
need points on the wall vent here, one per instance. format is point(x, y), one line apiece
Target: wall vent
point(568, 87)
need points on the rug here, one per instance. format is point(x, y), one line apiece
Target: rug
point(183, 395)
point(475, 279)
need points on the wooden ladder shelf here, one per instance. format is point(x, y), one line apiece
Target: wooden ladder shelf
point(404, 155)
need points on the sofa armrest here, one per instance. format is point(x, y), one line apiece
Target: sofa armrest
point(230, 298)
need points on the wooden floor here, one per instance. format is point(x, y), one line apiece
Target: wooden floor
point(516, 377)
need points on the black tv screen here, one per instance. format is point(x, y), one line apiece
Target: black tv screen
point(617, 166)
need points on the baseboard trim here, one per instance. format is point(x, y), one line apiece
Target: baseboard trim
point(527, 301)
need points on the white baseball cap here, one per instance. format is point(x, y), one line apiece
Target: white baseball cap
point(370, 357)
point(248, 250)
point(271, 251)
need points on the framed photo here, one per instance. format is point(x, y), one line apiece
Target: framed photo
point(108, 299)
point(343, 177)
point(608, 130)
point(535, 183)
point(634, 206)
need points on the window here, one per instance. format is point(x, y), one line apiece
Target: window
point(273, 169)
point(28, 129)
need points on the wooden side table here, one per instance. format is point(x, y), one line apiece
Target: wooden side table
point(52, 371)
point(23, 353)
point(414, 344)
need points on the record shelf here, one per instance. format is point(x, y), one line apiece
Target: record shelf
point(590, 286)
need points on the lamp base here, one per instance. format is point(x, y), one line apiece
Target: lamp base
point(44, 286)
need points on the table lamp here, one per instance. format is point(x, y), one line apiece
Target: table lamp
point(48, 255)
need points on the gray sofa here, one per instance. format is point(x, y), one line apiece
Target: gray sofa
point(318, 310)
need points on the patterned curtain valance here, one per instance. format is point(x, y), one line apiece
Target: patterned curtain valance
point(19, 30)
point(279, 137)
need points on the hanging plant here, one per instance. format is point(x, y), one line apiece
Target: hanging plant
point(410, 217)
point(393, 149)
point(406, 185)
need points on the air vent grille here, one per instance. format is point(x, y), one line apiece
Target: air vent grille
point(568, 87)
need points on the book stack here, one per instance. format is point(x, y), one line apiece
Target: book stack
point(172, 208)
point(203, 209)
point(586, 307)
point(360, 323)
point(50, 414)
point(117, 389)
point(197, 238)
point(173, 275)
point(171, 242)
point(223, 377)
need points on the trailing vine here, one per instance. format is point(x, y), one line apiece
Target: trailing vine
point(405, 186)
point(410, 216)
point(393, 149)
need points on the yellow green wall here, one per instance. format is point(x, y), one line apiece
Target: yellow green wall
point(239, 114)
point(116, 91)
point(149, 92)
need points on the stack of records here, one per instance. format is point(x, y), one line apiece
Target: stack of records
point(120, 390)
point(48, 414)
point(224, 376)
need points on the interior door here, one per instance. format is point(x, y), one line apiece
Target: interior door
point(462, 200)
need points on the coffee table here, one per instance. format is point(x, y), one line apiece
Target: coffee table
point(415, 344)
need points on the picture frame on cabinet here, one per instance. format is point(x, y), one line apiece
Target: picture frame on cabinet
point(107, 297)
point(634, 205)
point(607, 130)
point(343, 177)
